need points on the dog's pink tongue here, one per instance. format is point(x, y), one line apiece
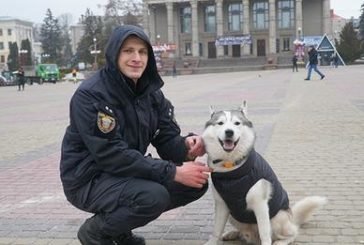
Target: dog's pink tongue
point(228, 145)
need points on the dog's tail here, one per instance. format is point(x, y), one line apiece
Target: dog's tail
point(303, 209)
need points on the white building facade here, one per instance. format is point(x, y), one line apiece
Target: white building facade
point(268, 27)
point(13, 30)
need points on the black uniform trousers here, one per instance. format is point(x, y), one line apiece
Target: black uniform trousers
point(121, 204)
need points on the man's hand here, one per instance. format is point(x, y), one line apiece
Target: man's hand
point(193, 174)
point(195, 146)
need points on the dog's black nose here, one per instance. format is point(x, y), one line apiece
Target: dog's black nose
point(229, 133)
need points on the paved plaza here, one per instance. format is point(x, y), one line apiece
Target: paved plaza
point(311, 132)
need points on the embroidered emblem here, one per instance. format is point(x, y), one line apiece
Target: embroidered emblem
point(105, 122)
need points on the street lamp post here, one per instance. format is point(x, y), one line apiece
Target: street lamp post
point(95, 52)
point(44, 57)
point(95, 62)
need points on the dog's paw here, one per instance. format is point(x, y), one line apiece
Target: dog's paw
point(281, 242)
point(214, 241)
point(231, 236)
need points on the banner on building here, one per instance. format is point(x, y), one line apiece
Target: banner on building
point(233, 40)
point(312, 40)
point(164, 47)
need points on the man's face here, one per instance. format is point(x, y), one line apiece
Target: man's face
point(133, 58)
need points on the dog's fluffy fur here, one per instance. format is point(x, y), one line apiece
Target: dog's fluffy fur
point(229, 136)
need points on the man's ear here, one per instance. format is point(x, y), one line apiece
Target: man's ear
point(244, 108)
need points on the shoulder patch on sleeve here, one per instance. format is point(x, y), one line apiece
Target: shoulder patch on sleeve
point(105, 123)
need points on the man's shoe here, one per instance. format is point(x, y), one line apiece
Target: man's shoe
point(90, 234)
point(129, 239)
point(322, 77)
point(307, 79)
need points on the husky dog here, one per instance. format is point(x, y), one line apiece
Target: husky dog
point(245, 187)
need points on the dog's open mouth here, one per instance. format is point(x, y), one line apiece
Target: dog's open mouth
point(228, 144)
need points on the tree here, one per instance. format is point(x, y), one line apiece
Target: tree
point(130, 10)
point(93, 26)
point(361, 23)
point(13, 60)
point(117, 13)
point(51, 40)
point(349, 46)
point(67, 54)
point(26, 58)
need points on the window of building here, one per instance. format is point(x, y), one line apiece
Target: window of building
point(9, 32)
point(200, 49)
point(1, 32)
point(260, 15)
point(226, 50)
point(9, 45)
point(286, 44)
point(186, 20)
point(1, 45)
point(286, 13)
point(2, 59)
point(188, 49)
point(235, 12)
point(210, 18)
point(278, 45)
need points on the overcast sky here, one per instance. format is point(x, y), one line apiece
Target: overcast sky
point(34, 10)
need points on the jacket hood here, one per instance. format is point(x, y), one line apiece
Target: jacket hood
point(114, 44)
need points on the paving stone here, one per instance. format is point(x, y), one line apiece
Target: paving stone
point(311, 132)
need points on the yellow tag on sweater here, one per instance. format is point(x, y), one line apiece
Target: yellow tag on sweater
point(228, 164)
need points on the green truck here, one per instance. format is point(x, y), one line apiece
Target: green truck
point(48, 72)
point(41, 73)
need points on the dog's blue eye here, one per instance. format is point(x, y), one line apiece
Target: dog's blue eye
point(237, 123)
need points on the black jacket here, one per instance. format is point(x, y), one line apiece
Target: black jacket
point(313, 56)
point(234, 186)
point(112, 124)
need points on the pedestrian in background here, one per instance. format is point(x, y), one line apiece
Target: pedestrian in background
point(336, 60)
point(174, 69)
point(294, 63)
point(114, 116)
point(313, 61)
point(21, 79)
point(74, 75)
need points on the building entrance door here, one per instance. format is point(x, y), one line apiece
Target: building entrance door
point(236, 50)
point(211, 52)
point(261, 47)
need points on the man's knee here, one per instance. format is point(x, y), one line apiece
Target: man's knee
point(152, 200)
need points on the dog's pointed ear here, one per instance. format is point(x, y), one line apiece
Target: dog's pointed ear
point(212, 110)
point(244, 108)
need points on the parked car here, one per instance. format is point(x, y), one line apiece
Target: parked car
point(7, 78)
point(2, 81)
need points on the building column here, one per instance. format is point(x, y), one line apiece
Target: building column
point(195, 39)
point(152, 16)
point(246, 25)
point(170, 22)
point(272, 27)
point(146, 20)
point(219, 27)
point(326, 20)
point(299, 20)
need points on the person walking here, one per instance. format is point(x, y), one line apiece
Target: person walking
point(114, 116)
point(21, 79)
point(74, 75)
point(174, 69)
point(294, 63)
point(313, 61)
point(335, 60)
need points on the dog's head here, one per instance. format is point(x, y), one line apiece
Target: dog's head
point(228, 137)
